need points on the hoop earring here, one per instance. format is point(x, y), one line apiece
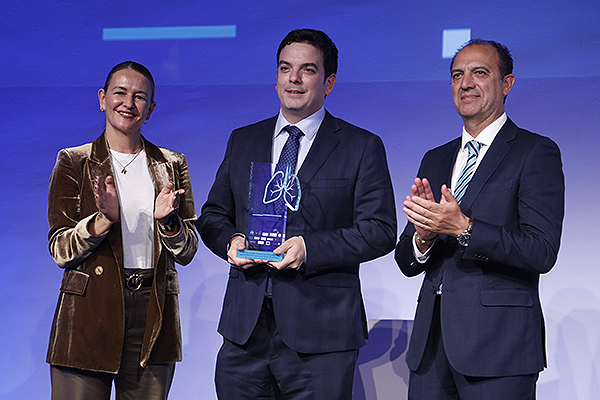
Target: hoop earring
point(102, 110)
point(146, 121)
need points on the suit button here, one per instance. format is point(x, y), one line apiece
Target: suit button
point(99, 270)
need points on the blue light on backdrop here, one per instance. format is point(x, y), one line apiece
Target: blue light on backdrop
point(453, 39)
point(169, 32)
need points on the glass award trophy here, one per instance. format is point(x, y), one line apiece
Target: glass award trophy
point(273, 190)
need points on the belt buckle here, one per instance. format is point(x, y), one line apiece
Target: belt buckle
point(134, 281)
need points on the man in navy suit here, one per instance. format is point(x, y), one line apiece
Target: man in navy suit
point(292, 329)
point(478, 330)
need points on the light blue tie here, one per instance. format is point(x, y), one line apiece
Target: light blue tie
point(467, 173)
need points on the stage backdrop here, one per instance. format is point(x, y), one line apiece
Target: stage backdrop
point(214, 64)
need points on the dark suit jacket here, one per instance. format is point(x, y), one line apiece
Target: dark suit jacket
point(346, 216)
point(491, 318)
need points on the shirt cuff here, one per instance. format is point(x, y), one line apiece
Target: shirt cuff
point(421, 257)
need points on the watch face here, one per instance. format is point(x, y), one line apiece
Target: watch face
point(463, 238)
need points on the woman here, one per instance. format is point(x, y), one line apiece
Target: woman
point(121, 214)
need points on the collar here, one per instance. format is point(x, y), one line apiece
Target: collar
point(309, 125)
point(487, 136)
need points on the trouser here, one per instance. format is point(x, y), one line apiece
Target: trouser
point(132, 382)
point(437, 379)
point(266, 368)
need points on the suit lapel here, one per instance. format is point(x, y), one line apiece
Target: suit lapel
point(160, 170)
point(325, 142)
point(448, 162)
point(101, 166)
point(264, 142)
point(492, 159)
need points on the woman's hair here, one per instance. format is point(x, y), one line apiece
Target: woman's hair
point(136, 67)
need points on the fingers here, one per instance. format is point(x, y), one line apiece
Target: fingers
point(422, 213)
point(109, 181)
point(167, 201)
point(447, 195)
point(422, 189)
point(430, 218)
point(242, 263)
point(418, 205)
point(419, 219)
point(417, 189)
point(168, 192)
point(238, 243)
point(109, 185)
point(295, 254)
point(97, 187)
point(167, 189)
point(427, 192)
point(105, 196)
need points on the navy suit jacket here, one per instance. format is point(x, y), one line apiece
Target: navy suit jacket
point(346, 216)
point(491, 318)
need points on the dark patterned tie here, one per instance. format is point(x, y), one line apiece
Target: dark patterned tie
point(467, 173)
point(289, 153)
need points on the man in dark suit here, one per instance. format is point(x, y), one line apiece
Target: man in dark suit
point(479, 330)
point(292, 329)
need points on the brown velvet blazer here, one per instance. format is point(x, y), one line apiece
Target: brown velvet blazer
point(88, 327)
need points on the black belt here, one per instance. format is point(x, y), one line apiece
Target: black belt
point(134, 282)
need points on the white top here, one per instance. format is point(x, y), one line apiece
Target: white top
point(136, 203)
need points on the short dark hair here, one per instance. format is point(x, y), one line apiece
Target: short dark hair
point(318, 39)
point(136, 67)
point(505, 60)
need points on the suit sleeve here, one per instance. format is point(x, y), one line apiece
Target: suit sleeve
point(184, 244)
point(404, 253)
point(373, 232)
point(69, 240)
point(534, 243)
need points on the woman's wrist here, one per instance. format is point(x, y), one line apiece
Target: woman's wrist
point(100, 224)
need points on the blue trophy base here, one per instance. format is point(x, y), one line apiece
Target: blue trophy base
point(259, 255)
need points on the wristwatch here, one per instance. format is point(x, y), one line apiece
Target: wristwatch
point(465, 237)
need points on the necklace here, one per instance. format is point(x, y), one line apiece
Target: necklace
point(124, 167)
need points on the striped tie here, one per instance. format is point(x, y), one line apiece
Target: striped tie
point(467, 173)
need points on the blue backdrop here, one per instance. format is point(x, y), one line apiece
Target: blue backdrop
point(214, 64)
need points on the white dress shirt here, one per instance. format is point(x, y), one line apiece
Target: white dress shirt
point(309, 126)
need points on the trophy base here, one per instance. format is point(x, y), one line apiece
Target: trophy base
point(259, 255)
